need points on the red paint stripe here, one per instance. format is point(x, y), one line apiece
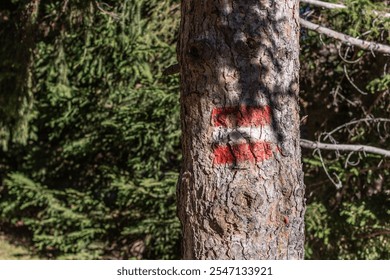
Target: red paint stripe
point(241, 116)
point(252, 152)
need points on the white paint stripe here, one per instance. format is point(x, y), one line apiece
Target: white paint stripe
point(223, 135)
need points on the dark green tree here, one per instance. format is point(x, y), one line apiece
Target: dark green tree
point(96, 175)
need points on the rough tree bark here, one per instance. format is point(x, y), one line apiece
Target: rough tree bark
point(241, 190)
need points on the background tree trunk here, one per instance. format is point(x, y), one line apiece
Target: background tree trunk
point(241, 191)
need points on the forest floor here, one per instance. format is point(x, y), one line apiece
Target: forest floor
point(11, 251)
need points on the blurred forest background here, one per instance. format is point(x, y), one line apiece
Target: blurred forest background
point(90, 134)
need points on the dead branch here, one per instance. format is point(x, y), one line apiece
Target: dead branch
point(365, 45)
point(339, 6)
point(344, 147)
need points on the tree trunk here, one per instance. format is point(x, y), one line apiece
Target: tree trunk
point(241, 191)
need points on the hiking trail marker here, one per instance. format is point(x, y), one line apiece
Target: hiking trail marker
point(242, 134)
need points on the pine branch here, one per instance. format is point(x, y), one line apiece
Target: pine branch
point(365, 45)
point(339, 6)
point(344, 147)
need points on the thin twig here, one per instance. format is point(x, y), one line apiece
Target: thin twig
point(352, 83)
point(337, 93)
point(111, 14)
point(344, 147)
point(365, 45)
point(349, 163)
point(346, 60)
point(355, 122)
point(338, 185)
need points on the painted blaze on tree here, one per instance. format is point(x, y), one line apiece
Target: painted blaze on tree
point(241, 191)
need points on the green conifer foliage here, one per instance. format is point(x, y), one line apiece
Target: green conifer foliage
point(18, 23)
point(98, 179)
